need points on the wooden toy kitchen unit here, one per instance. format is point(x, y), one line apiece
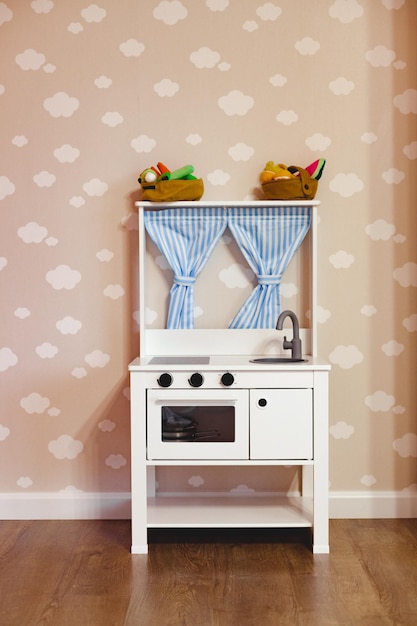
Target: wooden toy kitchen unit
point(197, 397)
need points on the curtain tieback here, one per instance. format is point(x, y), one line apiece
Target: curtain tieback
point(184, 281)
point(264, 279)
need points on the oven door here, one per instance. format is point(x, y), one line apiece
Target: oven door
point(207, 424)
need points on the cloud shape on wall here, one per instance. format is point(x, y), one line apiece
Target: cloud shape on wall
point(35, 403)
point(166, 88)
point(105, 255)
point(406, 446)
point(241, 152)
point(380, 56)
point(341, 86)
point(318, 142)
point(342, 430)
point(392, 348)
point(97, 358)
point(19, 141)
point(278, 80)
point(380, 401)
point(218, 178)
point(250, 26)
point(288, 290)
point(369, 138)
point(66, 153)
point(114, 291)
point(410, 150)
point(61, 105)
point(63, 277)
point(7, 188)
point(75, 28)
point(32, 233)
point(79, 372)
point(346, 185)
point(95, 187)
point(103, 82)
point(307, 46)
point(269, 12)
point(406, 275)
point(131, 48)
point(205, 57)
point(7, 359)
point(5, 14)
point(42, 6)
point(116, 461)
point(22, 312)
point(410, 323)
point(236, 103)
point(106, 426)
point(46, 350)
point(93, 13)
point(406, 102)
point(393, 176)
point(346, 356)
point(68, 325)
point(112, 118)
point(368, 480)
point(346, 10)
point(24, 482)
point(170, 12)
point(77, 201)
point(30, 59)
point(380, 229)
point(4, 432)
point(193, 139)
point(287, 117)
point(341, 259)
point(44, 179)
point(236, 276)
point(368, 310)
point(196, 481)
point(65, 447)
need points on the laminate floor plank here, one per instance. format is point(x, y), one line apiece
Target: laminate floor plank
point(81, 573)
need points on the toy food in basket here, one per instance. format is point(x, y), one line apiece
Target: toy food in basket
point(160, 184)
point(280, 182)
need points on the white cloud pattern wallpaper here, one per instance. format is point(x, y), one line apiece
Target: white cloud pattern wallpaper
point(92, 94)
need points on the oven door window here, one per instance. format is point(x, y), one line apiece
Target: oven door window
point(198, 423)
point(183, 424)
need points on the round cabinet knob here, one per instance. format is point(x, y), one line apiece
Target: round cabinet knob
point(196, 379)
point(227, 379)
point(262, 402)
point(165, 380)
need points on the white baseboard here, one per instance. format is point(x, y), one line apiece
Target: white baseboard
point(48, 506)
point(372, 504)
point(61, 505)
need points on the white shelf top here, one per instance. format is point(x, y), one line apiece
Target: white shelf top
point(225, 203)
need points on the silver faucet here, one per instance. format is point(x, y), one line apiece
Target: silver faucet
point(295, 343)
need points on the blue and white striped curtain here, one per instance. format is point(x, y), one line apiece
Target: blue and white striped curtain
point(268, 238)
point(186, 237)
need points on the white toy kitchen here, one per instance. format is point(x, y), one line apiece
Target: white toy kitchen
point(248, 395)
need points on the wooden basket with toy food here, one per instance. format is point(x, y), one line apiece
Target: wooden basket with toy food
point(160, 184)
point(280, 182)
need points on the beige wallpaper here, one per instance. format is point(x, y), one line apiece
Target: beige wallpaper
point(90, 95)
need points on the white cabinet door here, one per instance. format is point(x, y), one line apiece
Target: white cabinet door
point(281, 424)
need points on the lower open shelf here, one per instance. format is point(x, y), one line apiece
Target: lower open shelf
point(230, 512)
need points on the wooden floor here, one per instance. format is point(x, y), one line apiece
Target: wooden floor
point(81, 573)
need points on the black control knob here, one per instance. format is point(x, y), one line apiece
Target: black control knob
point(165, 380)
point(262, 402)
point(196, 379)
point(227, 379)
